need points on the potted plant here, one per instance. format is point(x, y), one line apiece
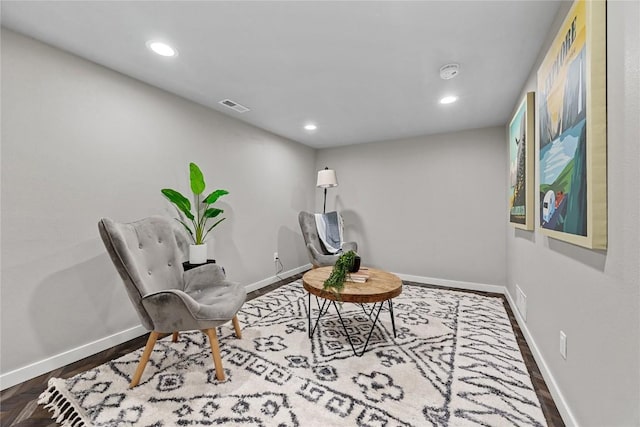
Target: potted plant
point(198, 219)
point(342, 267)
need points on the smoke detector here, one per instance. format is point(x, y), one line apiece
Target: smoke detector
point(449, 71)
point(234, 105)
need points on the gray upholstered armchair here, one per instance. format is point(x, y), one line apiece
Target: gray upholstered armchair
point(318, 255)
point(148, 254)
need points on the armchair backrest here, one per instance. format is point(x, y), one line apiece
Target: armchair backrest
point(309, 230)
point(148, 255)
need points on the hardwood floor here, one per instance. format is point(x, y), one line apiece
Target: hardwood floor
point(19, 407)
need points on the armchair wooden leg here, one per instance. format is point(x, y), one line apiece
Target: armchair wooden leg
point(151, 342)
point(236, 326)
point(215, 351)
point(175, 336)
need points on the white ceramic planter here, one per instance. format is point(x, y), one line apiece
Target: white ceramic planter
point(198, 254)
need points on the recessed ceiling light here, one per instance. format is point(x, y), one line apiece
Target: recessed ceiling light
point(448, 99)
point(310, 126)
point(162, 49)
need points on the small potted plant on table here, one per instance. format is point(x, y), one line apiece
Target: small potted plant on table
point(343, 266)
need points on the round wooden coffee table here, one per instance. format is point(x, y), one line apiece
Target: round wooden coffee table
point(381, 287)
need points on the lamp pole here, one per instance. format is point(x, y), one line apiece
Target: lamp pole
point(324, 208)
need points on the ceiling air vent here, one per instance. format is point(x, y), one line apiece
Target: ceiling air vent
point(234, 105)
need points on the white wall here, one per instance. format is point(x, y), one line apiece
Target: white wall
point(431, 206)
point(594, 296)
point(80, 142)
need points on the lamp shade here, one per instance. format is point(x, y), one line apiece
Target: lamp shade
point(327, 178)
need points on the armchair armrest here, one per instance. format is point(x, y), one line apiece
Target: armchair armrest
point(313, 250)
point(171, 310)
point(205, 275)
point(350, 246)
point(318, 258)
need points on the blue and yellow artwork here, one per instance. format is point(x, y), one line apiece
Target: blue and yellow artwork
point(562, 84)
point(572, 129)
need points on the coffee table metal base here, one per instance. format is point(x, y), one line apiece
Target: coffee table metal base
point(377, 308)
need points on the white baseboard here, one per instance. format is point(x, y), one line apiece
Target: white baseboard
point(558, 397)
point(472, 286)
point(273, 279)
point(35, 369)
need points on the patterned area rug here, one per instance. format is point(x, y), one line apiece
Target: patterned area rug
point(454, 362)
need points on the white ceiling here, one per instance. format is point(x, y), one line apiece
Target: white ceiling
point(362, 71)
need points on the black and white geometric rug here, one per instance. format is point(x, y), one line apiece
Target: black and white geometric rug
point(455, 362)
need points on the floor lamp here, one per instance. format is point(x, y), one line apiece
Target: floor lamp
point(326, 178)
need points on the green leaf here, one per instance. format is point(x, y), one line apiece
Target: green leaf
point(211, 198)
point(210, 228)
point(197, 179)
point(179, 200)
point(217, 222)
point(212, 212)
point(187, 228)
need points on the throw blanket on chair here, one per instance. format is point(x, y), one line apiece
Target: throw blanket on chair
point(329, 226)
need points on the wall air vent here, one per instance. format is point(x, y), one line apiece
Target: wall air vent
point(234, 106)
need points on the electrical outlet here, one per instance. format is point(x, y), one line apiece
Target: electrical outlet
point(521, 303)
point(563, 345)
point(275, 256)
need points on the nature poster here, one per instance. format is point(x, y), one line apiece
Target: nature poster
point(562, 92)
point(521, 165)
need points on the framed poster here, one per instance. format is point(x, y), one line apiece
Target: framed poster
point(521, 154)
point(572, 138)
